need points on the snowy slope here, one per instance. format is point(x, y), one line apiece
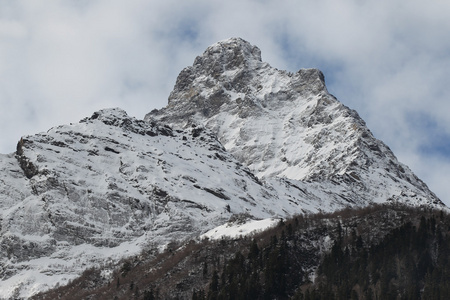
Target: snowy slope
point(111, 184)
point(239, 229)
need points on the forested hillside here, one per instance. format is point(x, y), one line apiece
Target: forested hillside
point(379, 252)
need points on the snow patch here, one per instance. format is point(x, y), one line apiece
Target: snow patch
point(236, 230)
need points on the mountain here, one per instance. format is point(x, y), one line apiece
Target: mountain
point(238, 140)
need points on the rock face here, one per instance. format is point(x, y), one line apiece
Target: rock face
point(238, 138)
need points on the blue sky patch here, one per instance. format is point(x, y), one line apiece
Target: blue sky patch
point(435, 140)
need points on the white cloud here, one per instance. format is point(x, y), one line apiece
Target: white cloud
point(389, 60)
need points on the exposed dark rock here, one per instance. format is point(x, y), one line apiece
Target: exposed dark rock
point(111, 150)
point(218, 193)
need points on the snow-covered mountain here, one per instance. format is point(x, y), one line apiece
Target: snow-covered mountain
point(284, 125)
point(238, 139)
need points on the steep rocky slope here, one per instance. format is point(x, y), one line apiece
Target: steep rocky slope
point(238, 139)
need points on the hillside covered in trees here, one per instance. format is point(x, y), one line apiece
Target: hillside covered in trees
point(379, 252)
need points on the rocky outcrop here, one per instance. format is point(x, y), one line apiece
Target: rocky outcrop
point(27, 166)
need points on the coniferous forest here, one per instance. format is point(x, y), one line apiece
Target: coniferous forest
point(379, 252)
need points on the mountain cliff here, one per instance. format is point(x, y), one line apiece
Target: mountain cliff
point(237, 140)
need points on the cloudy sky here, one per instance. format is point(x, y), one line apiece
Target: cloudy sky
point(389, 59)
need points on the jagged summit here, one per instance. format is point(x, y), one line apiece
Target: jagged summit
point(231, 72)
point(230, 54)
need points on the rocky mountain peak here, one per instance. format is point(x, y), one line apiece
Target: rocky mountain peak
point(230, 75)
point(228, 55)
point(285, 125)
point(225, 66)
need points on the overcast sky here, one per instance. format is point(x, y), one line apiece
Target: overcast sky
point(389, 59)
